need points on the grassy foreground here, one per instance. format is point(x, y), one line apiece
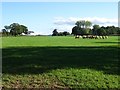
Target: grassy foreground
point(60, 62)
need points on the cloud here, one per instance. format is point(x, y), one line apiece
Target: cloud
point(63, 21)
point(94, 20)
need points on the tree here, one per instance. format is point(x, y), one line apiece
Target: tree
point(55, 33)
point(16, 29)
point(118, 30)
point(7, 28)
point(111, 30)
point(76, 30)
point(4, 32)
point(101, 32)
point(83, 23)
point(65, 33)
point(82, 27)
point(23, 29)
point(78, 24)
point(86, 31)
point(60, 34)
point(88, 24)
point(95, 29)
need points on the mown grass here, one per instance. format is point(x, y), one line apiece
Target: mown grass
point(57, 41)
point(60, 62)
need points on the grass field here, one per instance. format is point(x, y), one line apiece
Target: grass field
point(60, 62)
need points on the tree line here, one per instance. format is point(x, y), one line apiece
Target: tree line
point(56, 33)
point(14, 29)
point(83, 28)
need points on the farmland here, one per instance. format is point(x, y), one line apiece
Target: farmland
point(60, 62)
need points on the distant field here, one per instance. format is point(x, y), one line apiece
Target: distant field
point(57, 41)
point(60, 62)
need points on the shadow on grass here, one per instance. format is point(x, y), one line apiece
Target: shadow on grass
point(37, 60)
point(109, 42)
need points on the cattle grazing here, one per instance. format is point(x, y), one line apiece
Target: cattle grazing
point(76, 37)
point(84, 36)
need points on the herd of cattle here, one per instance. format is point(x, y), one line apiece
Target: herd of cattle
point(91, 37)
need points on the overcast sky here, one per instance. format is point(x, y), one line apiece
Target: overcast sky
point(43, 17)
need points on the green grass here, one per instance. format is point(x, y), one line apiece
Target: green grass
point(57, 41)
point(60, 62)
